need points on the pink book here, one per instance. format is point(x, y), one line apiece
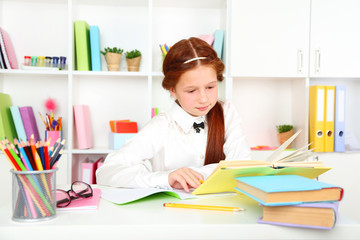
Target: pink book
point(9, 49)
point(83, 126)
point(29, 122)
point(91, 203)
point(88, 169)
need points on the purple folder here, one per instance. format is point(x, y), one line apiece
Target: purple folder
point(339, 134)
point(29, 122)
point(333, 205)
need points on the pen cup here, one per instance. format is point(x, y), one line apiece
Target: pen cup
point(53, 136)
point(33, 195)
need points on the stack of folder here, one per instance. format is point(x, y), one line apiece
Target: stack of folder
point(327, 118)
point(292, 200)
point(121, 132)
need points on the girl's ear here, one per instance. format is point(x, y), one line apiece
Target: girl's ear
point(172, 92)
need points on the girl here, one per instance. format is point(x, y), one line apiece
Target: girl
point(181, 147)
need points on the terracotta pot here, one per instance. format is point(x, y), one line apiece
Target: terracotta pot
point(133, 64)
point(285, 136)
point(113, 61)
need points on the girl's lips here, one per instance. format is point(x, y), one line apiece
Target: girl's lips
point(202, 108)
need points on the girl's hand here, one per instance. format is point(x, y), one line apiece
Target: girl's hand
point(185, 178)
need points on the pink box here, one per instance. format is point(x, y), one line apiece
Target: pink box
point(53, 136)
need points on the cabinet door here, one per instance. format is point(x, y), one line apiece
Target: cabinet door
point(269, 38)
point(335, 38)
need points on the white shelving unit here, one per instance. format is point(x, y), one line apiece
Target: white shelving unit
point(268, 55)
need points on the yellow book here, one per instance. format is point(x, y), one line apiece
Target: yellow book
point(329, 118)
point(223, 177)
point(316, 118)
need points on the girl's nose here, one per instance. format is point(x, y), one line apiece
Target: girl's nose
point(203, 97)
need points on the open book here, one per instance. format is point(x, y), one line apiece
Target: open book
point(296, 163)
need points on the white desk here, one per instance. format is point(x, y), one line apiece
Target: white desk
point(150, 220)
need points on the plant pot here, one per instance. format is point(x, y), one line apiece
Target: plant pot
point(133, 64)
point(113, 61)
point(285, 136)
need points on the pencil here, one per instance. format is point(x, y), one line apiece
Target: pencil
point(203, 207)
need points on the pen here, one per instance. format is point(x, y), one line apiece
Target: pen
point(203, 207)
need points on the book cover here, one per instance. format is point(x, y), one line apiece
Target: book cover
point(7, 127)
point(9, 49)
point(20, 130)
point(123, 126)
point(29, 122)
point(91, 203)
point(83, 128)
point(219, 43)
point(307, 215)
point(82, 46)
point(281, 190)
point(95, 48)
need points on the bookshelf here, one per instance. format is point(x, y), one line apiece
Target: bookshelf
point(268, 51)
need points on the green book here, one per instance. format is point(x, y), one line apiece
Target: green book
point(7, 127)
point(82, 46)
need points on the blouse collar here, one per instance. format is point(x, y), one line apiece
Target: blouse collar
point(184, 119)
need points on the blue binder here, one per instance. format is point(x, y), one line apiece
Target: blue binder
point(95, 48)
point(339, 137)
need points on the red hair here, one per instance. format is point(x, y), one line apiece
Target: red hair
point(174, 67)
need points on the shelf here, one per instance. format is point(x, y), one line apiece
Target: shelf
point(33, 72)
point(92, 151)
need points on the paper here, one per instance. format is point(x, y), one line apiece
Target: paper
point(124, 195)
point(91, 203)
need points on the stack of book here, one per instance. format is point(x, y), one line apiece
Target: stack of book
point(292, 200)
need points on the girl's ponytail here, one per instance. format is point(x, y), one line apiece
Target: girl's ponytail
point(216, 135)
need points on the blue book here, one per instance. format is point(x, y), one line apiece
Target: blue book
point(95, 48)
point(278, 190)
point(20, 130)
point(219, 43)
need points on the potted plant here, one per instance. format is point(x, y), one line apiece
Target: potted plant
point(113, 58)
point(285, 131)
point(133, 60)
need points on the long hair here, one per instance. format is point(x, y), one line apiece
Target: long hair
point(174, 67)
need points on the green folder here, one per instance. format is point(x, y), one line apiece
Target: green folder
point(7, 127)
point(82, 46)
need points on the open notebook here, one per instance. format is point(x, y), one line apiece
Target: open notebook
point(296, 163)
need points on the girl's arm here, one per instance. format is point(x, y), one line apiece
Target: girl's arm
point(131, 166)
point(236, 146)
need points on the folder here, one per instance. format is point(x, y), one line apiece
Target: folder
point(83, 126)
point(7, 127)
point(82, 46)
point(123, 126)
point(329, 118)
point(339, 133)
point(20, 129)
point(88, 169)
point(219, 43)
point(95, 48)
point(316, 118)
point(29, 121)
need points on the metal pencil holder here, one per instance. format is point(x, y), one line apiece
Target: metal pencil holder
point(33, 195)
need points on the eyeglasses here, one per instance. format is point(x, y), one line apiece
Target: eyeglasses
point(79, 190)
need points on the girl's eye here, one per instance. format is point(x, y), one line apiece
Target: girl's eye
point(191, 91)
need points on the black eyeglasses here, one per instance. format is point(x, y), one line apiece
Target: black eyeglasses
point(78, 190)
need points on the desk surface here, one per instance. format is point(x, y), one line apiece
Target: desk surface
point(148, 219)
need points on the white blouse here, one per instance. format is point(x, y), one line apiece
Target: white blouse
point(166, 143)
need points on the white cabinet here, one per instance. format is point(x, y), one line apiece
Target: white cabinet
point(269, 38)
point(335, 38)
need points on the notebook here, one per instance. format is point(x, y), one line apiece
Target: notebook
point(91, 203)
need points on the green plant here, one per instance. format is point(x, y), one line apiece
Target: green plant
point(284, 128)
point(133, 54)
point(113, 50)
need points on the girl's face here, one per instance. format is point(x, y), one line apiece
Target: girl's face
point(197, 90)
